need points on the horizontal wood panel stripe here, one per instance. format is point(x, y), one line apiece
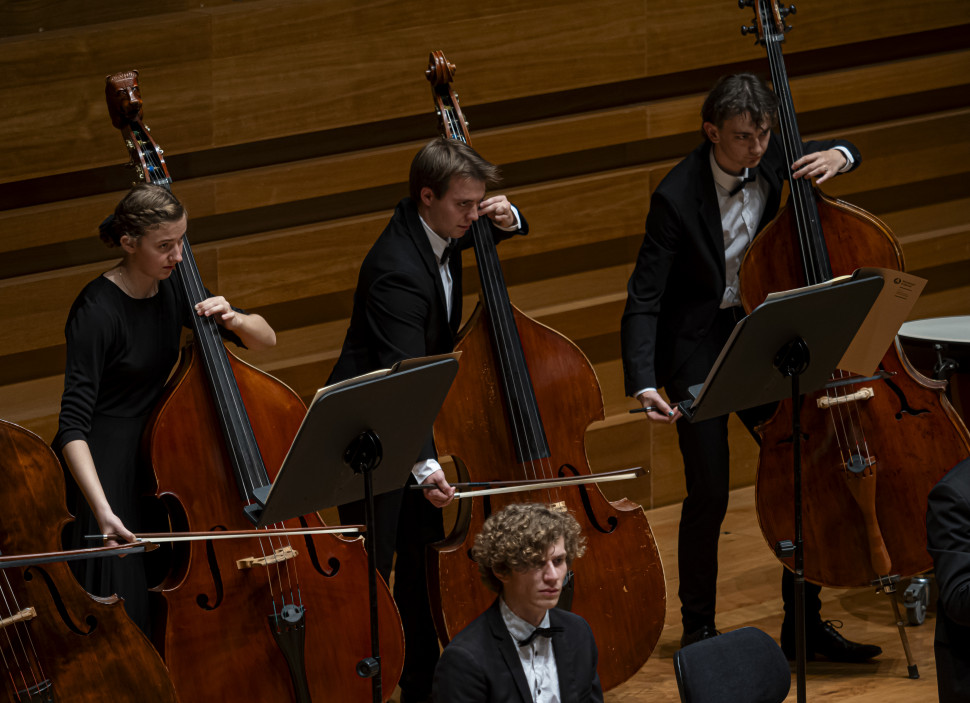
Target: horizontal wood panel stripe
point(234, 77)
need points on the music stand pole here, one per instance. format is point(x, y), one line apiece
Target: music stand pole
point(792, 360)
point(363, 455)
point(768, 348)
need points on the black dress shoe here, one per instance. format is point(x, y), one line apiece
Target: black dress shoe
point(823, 639)
point(703, 633)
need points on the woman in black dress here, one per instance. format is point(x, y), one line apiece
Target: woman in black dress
point(123, 335)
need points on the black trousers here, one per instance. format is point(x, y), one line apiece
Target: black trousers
point(704, 448)
point(406, 522)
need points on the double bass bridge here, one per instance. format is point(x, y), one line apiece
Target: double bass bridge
point(23, 616)
point(280, 555)
point(826, 401)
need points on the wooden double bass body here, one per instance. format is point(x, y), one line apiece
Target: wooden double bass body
point(868, 464)
point(265, 619)
point(57, 641)
point(518, 409)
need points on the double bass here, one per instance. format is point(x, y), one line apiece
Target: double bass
point(268, 619)
point(872, 455)
point(518, 409)
point(57, 641)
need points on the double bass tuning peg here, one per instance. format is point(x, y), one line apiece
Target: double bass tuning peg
point(785, 11)
point(746, 30)
point(745, 3)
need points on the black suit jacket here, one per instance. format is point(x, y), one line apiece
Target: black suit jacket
point(481, 664)
point(677, 285)
point(399, 304)
point(948, 542)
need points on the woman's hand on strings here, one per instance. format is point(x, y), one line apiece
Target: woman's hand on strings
point(253, 330)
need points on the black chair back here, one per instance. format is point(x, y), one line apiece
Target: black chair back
point(741, 666)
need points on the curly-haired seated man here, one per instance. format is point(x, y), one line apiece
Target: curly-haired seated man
point(523, 649)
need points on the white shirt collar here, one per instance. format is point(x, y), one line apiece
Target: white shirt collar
point(722, 177)
point(438, 243)
point(519, 628)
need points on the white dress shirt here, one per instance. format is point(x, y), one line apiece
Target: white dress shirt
point(740, 215)
point(538, 658)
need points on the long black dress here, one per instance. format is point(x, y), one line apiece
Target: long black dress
point(120, 352)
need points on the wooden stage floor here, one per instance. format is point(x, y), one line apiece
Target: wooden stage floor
point(749, 593)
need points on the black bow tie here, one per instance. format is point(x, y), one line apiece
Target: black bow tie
point(452, 245)
point(540, 632)
point(750, 175)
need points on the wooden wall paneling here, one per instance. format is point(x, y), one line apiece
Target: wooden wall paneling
point(64, 126)
point(33, 404)
point(907, 151)
point(942, 153)
point(54, 223)
point(263, 186)
point(298, 262)
point(269, 93)
point(944, 303)
point(230, 75)
point(937, 247)
point(879, 81)
point(689, 34)
point(25, 17)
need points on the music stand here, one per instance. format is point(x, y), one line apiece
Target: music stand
point(802, 337)
point(379, 419)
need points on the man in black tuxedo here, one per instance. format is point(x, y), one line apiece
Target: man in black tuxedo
point(408, 304)
point(948, 542)
point(523, 649)
point(682, 304)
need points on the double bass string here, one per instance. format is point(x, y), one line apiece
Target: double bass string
point(791, 140)
point(526, 425)
point(31, 665)
point(846, 422)
point(246, 458)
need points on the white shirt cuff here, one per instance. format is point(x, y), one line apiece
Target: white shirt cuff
point(425, 468)
point(641, 391)
point(848, 158)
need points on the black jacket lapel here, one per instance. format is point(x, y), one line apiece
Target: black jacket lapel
point(509, 654)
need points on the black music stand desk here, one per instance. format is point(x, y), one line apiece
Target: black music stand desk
point(379, 419)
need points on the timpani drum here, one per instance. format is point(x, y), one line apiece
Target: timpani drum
point(939, 347)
